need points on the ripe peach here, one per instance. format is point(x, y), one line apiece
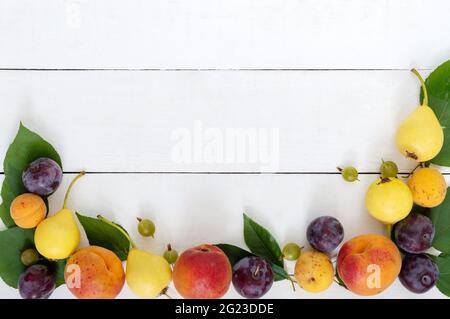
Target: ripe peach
point(368, 264)
point(94, 273)
point(202, 272)
point(28, 210)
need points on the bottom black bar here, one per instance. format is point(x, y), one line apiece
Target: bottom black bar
point(261, 309)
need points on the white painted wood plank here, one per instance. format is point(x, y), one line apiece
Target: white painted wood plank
point(192, 209)
point(126, 121)
point(224, 34)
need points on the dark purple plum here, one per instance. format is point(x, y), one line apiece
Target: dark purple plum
point(252, 277)
point(42, 177)
point(414, 234)
point(419, 273)
point(37, 282)
point(325, 234)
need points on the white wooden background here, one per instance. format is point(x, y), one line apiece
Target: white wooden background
point(107, 82)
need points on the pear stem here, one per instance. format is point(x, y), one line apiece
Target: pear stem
point(164, 293)
point(66, 197)
point(107, 221)
point(422, 84)
point(389, 230)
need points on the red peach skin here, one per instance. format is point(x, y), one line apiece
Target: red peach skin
point(203, 272)
point(101, 273)
point(368, 264)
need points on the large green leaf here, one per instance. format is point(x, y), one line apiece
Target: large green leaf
point(104, 235)
point(26, 147)
point(279, 273)
point(12, 242)
point(235, 254)
point(440, 216)
point(59, 267)
point(261, 242)
point(438, 87)
point(443, 264)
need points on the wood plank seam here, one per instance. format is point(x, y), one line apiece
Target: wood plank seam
point(401, 174)
point(209, 70)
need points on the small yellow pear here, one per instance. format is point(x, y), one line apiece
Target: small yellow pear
point(420, 136)
point(147, 274)
point(389, 200)
point(58, 236)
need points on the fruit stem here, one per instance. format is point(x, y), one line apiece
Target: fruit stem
point(389, 230)
point(164, 293)
point(81, 174)
point(169, 247)
point(422, 84)
point(167, 295)
point(256, 272)
point(107, 221)
point(292, 283)
point(412, 172)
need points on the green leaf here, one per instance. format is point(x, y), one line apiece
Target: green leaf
point(420, 210)
point(443, 264)
point(261, 242)
point(279, 273)
point(438, 88)
point(339, 280)
point(235, 254)
point(58, 268)
point(104, 235)
point(12, 242)
point(26, 147)
point(440, 216)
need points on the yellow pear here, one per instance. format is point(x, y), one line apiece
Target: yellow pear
point(58, 236)
point(420, 136)
point(147, 274)
point(389, 200)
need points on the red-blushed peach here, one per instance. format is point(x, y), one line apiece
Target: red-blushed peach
point(94, 273)
point(368, 264)
point(202, 272)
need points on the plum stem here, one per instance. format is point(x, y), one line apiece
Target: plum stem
point(66, 197)
point(107, 221)
point(256, 271)
point(422, 84)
